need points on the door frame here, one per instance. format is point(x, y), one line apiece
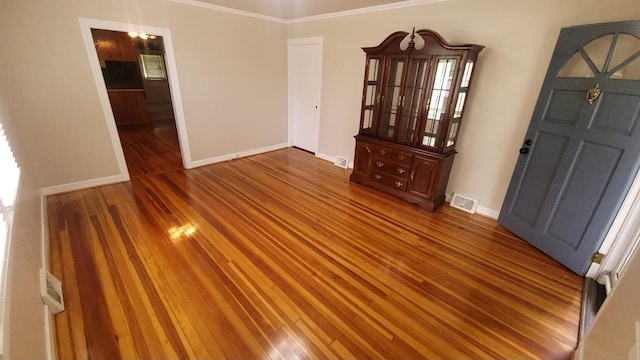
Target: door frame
point(291, 43)
point(172, 71)
point(622, 237)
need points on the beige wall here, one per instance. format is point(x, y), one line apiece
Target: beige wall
point(613, 331)
point(24, 328)
point(232, 72)
point(233, 78)
point(519, 37)
point(24, 313)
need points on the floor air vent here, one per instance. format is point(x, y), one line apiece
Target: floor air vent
point(464, 203)
point(343, 162)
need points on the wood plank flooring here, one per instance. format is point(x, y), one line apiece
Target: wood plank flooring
point(278, 256)
point(150, 149)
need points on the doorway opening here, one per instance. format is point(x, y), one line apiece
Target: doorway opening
point(134, 73)
point(157, 66)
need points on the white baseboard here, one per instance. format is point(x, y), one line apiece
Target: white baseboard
point(332, 159)
point(58, 189)
point(44, 231)
point(578, 353)
point(480, 209)
point(217, 159)
point(49, 331)
point(488, 212)
point(49, 334)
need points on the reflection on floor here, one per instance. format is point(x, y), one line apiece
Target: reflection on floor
point(150, 149)
point(279, 256)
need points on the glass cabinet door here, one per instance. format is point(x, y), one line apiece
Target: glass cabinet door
point(438, 102)
point(454, 126)
point(415, 84)
point(371, 96)
point(391, 103)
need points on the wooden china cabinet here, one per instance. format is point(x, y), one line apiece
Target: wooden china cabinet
point(412, 106)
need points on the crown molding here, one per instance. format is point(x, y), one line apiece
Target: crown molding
point(396, 5)
point(229, 10)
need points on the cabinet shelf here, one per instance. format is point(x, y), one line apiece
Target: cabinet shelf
point(424, 93)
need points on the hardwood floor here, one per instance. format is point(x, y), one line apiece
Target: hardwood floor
point(150, 149)
point(279, 256)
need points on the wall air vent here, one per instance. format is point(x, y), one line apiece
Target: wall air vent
point(464, 203)
point(343, 162)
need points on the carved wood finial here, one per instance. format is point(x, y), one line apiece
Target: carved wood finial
point(412, 44)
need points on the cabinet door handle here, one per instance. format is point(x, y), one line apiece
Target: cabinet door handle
point(378, 176)
point(401, 157)
point(379, 164)
point(398, 184)
point(401, 171)
point(413, 172)
point(382, 152)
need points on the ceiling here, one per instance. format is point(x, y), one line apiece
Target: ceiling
point(294, 9)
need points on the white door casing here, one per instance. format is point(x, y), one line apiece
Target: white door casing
point(304, 90)
point(86, 25)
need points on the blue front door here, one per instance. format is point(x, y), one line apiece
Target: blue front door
point(581, 151)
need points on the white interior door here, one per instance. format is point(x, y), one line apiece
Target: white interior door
point(305, 76)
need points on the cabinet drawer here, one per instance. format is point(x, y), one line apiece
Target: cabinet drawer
point(395, 155)
point(387, 166)
point(391, 181)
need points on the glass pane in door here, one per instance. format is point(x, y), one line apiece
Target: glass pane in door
point(415, 84)
point(453, 133)
point(625, 64)
point(371, 96)
point(615, 55)
point(391, 99)
point(466, 77)
point(437, 103)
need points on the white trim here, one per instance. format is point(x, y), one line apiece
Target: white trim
point(317, 40)
point(578, 353)
point(621, 237)
point(49, 335)
point(49, 331)
point(392, 6)
point(240, 154)
point(487, 212)
point(172, 71)
point(230, 10)
point(51, 190)
point(396, 5)
point(326, 157)
point(44, 231)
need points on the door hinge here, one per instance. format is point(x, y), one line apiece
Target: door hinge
point(597, 258)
